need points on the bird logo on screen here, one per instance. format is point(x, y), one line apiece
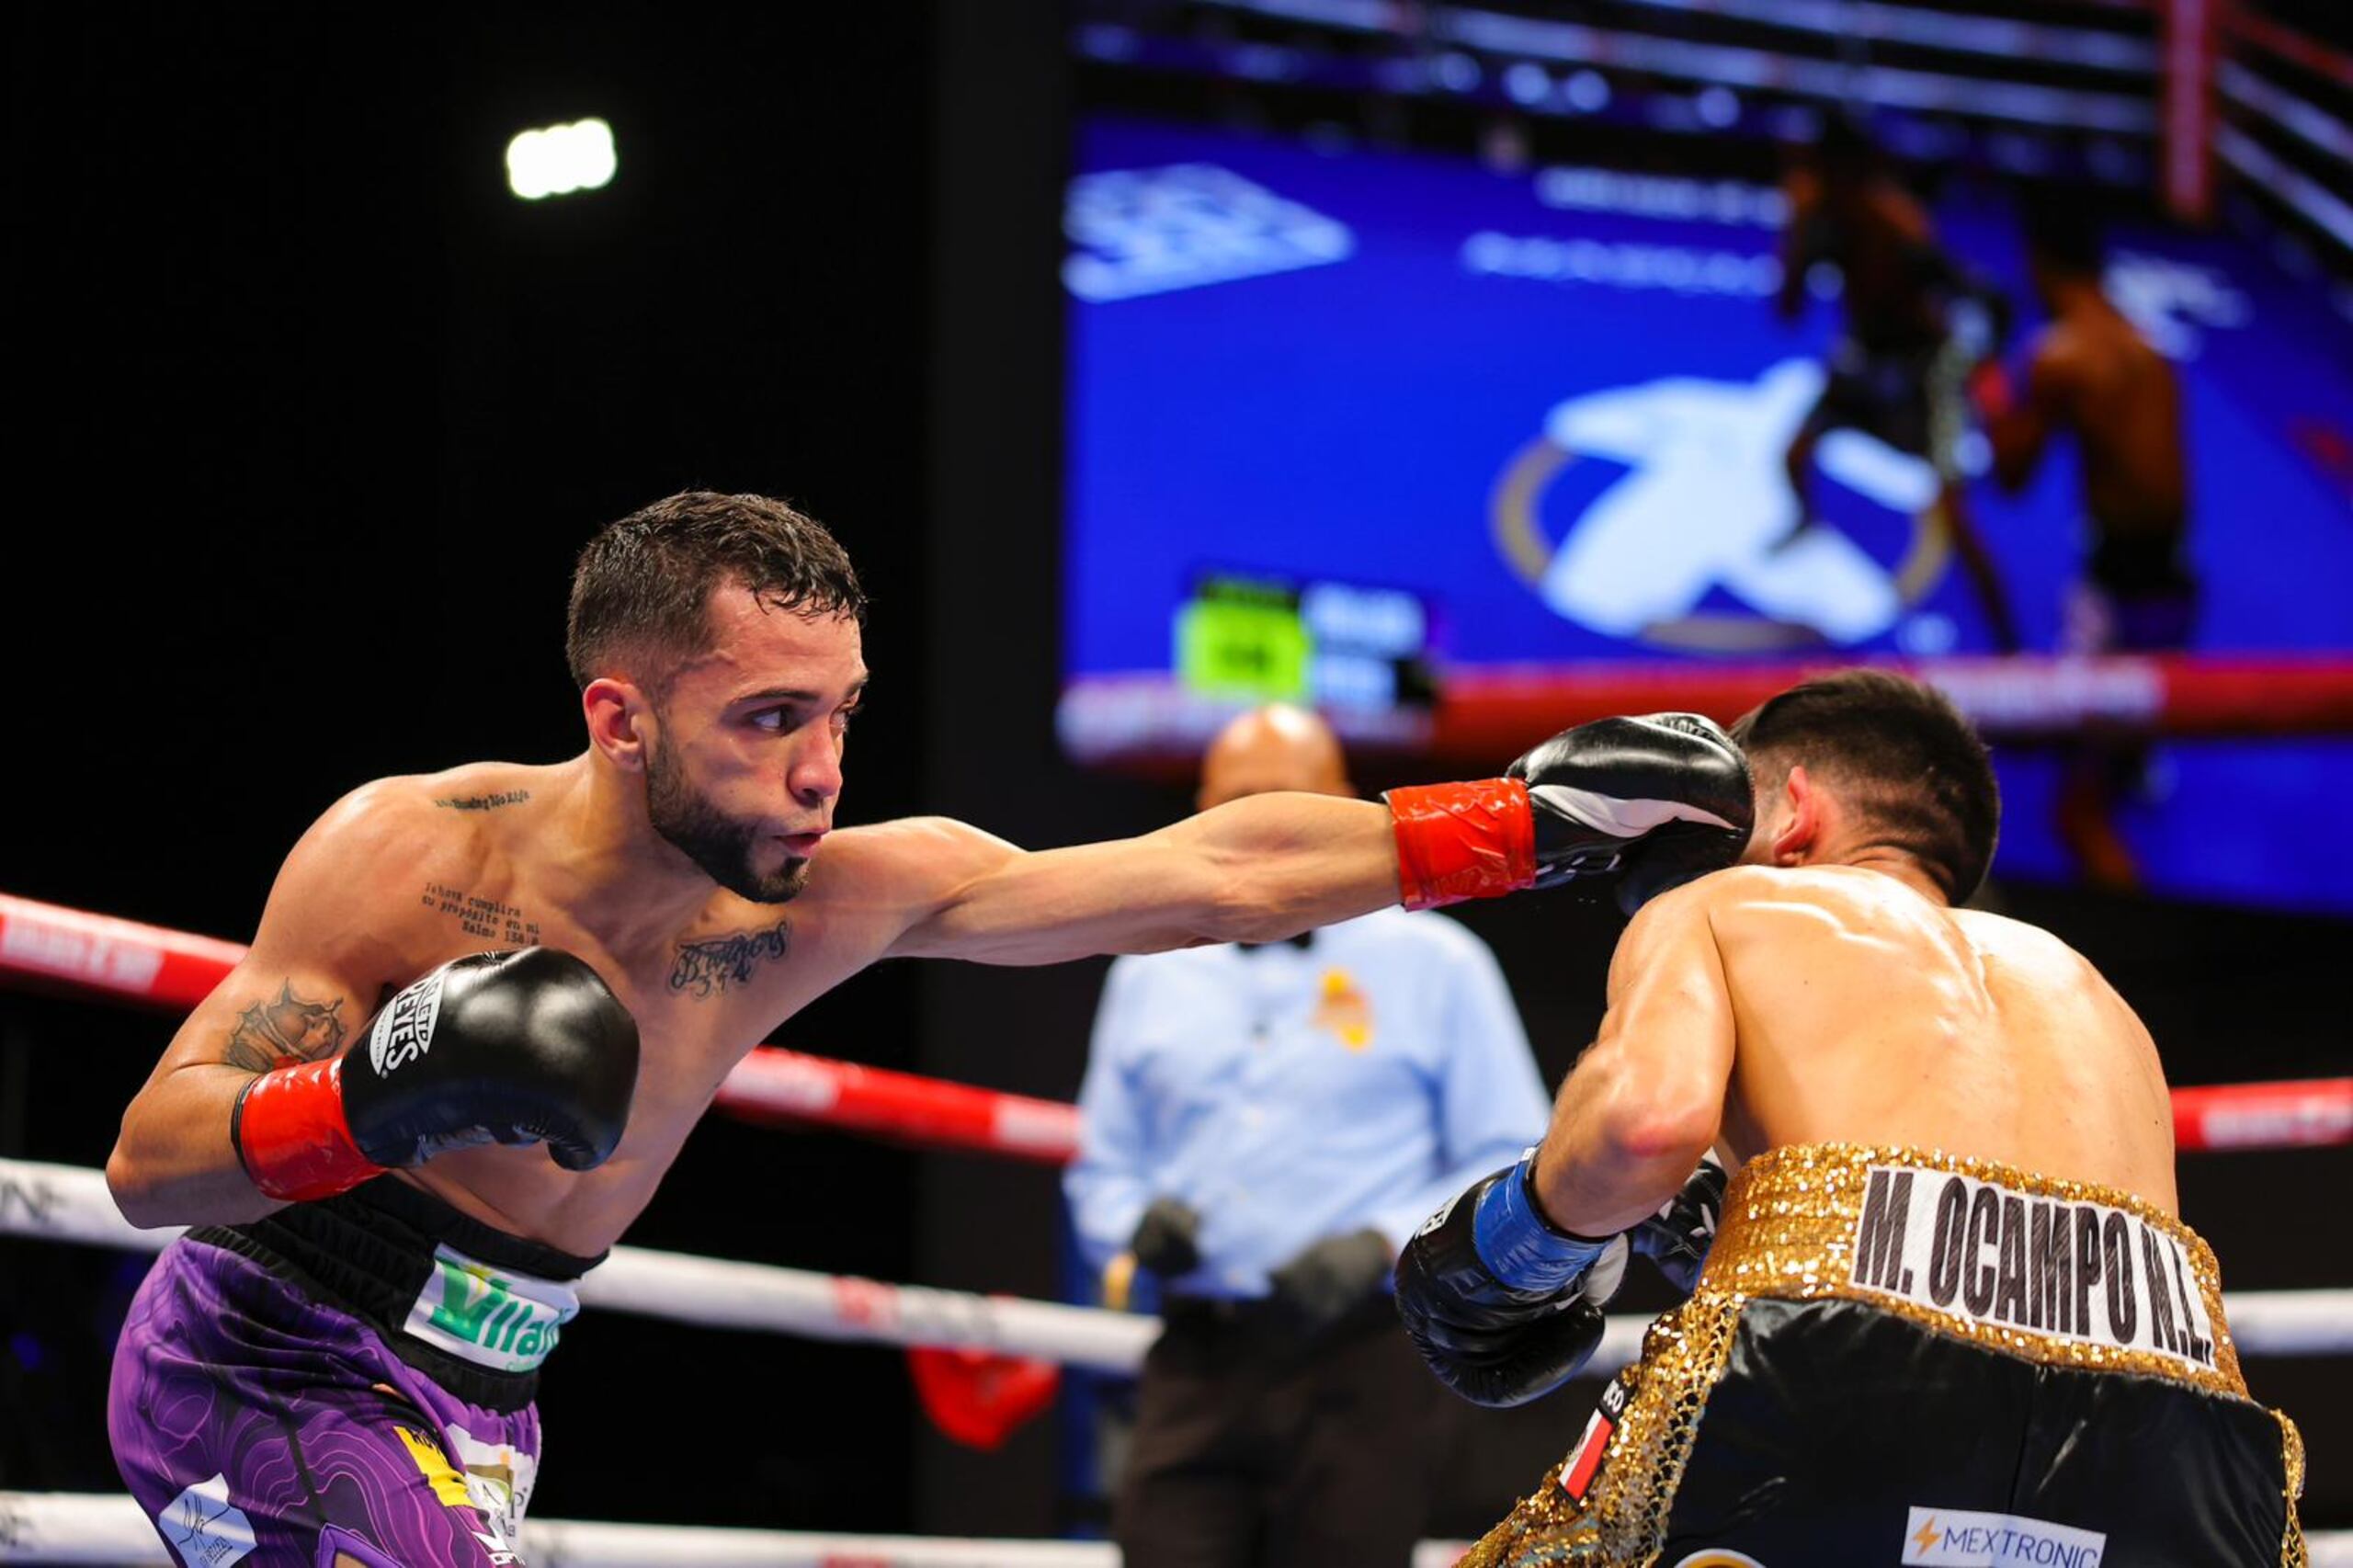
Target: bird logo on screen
point(1705, 511)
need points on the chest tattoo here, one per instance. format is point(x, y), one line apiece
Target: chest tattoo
point(707, 967)
point(487, 918)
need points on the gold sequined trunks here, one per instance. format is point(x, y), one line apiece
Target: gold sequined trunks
point(1902, 1357)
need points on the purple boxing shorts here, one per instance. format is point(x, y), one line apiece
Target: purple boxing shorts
point(346, 1381)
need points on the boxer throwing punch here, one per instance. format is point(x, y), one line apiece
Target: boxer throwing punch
point(337, 1365)
point(1950, 1301)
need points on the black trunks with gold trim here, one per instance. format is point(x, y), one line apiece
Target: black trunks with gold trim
point(1898, 1357)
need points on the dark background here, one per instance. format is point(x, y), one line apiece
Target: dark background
point(311, 415)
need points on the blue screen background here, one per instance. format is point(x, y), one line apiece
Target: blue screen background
point(1353, 419)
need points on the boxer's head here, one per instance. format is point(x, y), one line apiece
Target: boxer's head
point(1864, 760)
point(2062, 246)
point(716, 641)
point(1276, 747)
point(1846, 154)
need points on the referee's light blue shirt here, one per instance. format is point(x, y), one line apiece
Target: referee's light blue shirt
point(1293, 1094)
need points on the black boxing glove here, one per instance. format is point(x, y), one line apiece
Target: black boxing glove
point(1505, 1306)
point(1677, 1237)
point(514, 1048)
point(1660, 799)
point(1168, 1239)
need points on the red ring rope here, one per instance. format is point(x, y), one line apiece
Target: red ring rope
point(48, 944)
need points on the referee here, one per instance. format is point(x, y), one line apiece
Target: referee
point(1262, 1127)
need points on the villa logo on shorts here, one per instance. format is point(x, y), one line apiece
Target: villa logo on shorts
point(205, 1527)
point(510, 1322)
point(403, 1031)
point(1956, 1538)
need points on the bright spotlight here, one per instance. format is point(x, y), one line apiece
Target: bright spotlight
point(561, 159)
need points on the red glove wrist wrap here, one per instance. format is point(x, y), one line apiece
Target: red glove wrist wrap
point(289, 1131)
point(1459, 841)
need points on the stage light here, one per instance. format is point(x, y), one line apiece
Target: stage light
point(561, 159)
point(1588, 91)
point(1457, 72)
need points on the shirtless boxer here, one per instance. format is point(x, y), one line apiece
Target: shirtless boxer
point(2092, 374)
point(1950, 1314)
point(1896, 371)
point(337, 1365)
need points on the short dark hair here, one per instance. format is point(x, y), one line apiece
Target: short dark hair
point(1846, 147)
point(2063, 233)
point(1900, 752)
point(642, 589)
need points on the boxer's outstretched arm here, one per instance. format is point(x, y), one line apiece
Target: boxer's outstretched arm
point(1253, 870)
point(1646, 1099)
point(302, 993)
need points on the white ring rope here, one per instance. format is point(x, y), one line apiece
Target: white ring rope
point(82, 1528)
point(67, 1203)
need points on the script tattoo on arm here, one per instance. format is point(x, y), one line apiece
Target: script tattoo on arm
point(271, 1034)
point(709, 967)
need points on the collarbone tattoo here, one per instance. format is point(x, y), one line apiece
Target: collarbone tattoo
point(486, 802)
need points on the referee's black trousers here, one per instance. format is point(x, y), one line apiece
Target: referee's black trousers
point(1252, 1446)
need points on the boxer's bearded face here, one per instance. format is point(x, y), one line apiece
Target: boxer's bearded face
point(728, 849)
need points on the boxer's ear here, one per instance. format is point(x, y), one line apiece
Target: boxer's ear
point(619, 718)
point(1800, 829)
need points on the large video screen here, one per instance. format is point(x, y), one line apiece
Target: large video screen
point(1357, 427)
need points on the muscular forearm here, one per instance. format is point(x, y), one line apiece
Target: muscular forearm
point(1280, 864)
point(1614, 1153)
point(173, 1163)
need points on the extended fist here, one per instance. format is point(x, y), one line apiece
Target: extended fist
point(1657, 800)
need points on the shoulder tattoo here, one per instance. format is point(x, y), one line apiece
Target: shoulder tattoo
point(272, 1034)
point(710, 966)
point(490, 802)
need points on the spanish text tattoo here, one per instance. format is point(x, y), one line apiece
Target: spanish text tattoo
point(484, 918)
point(715, 963)
point(484, 803)
point(271, 1034)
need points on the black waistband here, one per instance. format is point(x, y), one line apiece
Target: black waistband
point(2140, 562)
point(370, 1252)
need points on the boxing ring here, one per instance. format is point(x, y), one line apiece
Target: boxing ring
point(48, 947)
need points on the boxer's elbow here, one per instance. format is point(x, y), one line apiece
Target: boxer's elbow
point(156, 1177)
point(1660, 1121)
point(134, 1188)
point(1659, 1134)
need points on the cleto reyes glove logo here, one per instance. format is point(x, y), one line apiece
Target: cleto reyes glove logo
point(404, 1031)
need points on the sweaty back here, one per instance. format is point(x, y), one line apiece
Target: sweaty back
point(1866, 1013)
